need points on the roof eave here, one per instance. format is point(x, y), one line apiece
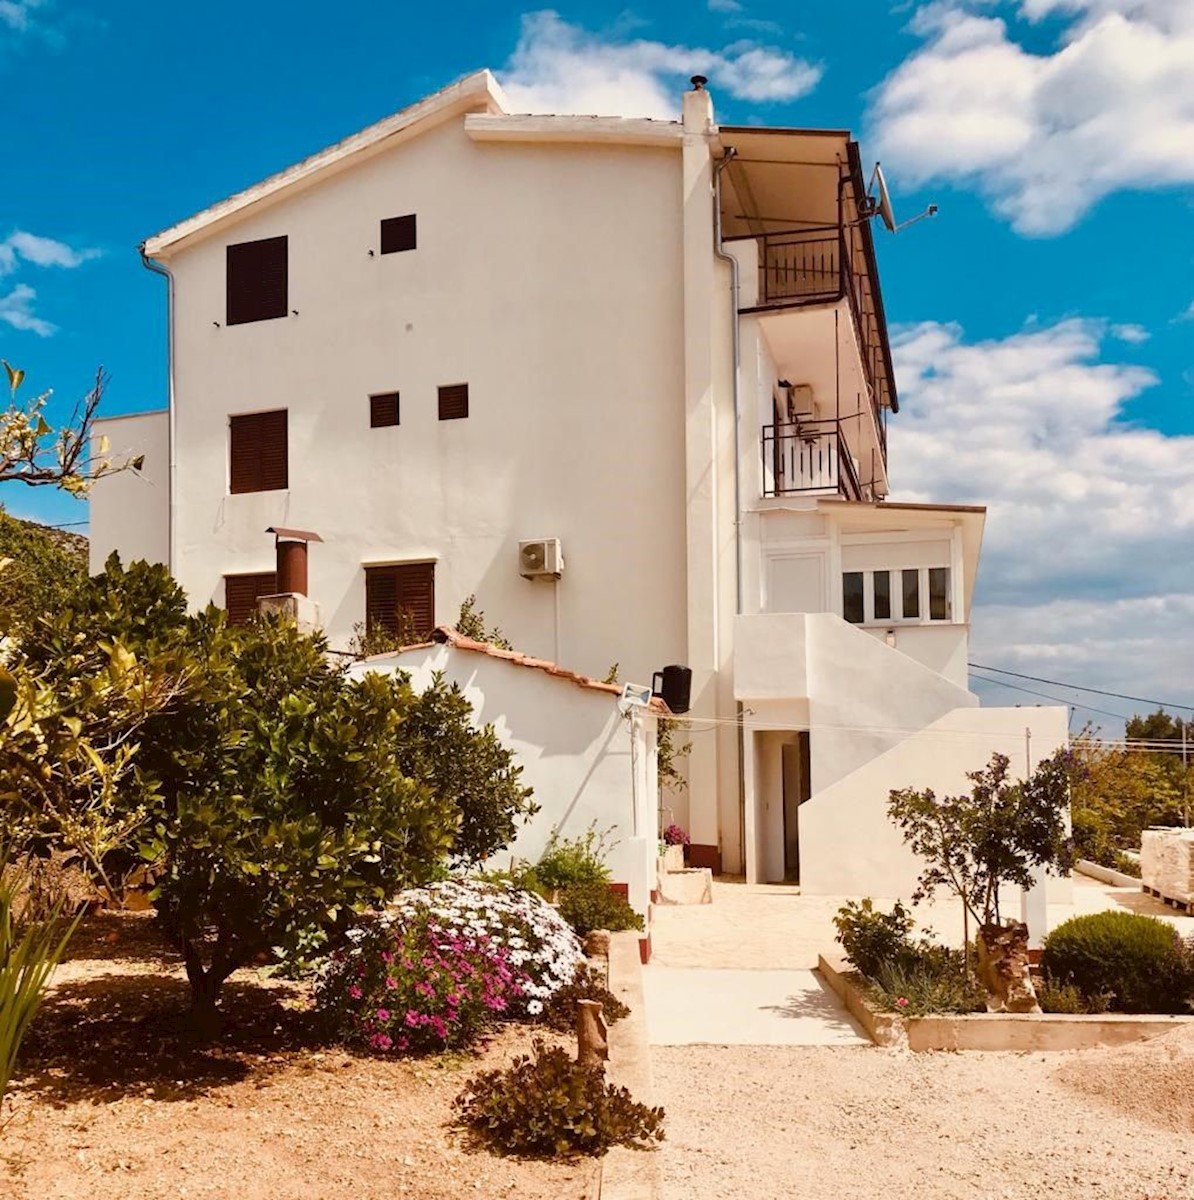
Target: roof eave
point(473, 90)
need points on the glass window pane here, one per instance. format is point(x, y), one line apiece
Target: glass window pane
point(882, 595)
point(852, 597)
point(911, 609)
point(938, 593)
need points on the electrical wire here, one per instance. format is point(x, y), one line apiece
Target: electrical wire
point(1077, 687)
point(1056, 699)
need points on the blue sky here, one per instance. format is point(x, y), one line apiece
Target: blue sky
point(1045, 346)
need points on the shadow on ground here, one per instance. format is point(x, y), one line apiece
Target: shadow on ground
point(116, 1034)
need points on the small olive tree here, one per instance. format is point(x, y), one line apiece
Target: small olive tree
point(995, 835)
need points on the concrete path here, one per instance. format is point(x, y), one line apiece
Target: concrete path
point(737, 972)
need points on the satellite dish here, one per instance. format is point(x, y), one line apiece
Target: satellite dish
point(877, 202)
point(883, 199)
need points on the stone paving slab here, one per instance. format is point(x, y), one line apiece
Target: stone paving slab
point(691, 1007)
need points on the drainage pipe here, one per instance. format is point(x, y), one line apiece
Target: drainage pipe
point(735, 294)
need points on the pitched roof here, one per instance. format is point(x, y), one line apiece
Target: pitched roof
point(478, 92)
point(446, 635)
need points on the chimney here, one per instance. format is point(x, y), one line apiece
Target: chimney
point(698, 107)
point(290, 546)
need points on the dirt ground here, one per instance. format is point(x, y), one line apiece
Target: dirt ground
point(111, 1102)
point(826, 1123)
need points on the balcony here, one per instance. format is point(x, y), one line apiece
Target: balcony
point(808, 457)
point(802, 268)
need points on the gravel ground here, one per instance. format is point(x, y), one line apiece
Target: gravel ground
point(823, 1123)
point(110, 1103)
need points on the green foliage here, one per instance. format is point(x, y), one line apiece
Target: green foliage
point(1139, 962)
point(668, 754)
point(560, 1011)
point(589, 906)
point(44, 568)
point(549, 1106)
point(1125, 864)
point(438, 744)
point(611, 676)
point(471, 623)
point(974, 844)
point(1067, 998)
point(569, 862)
point(30, 949)
point(366, 642)
point(872, 938)
point(1117, 793)
point(928, 979)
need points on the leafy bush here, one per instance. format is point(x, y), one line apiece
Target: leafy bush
point(549, 1106)
point(676, 835)
point(928, 979)
point(1140, 962)
point(1126, 864)
point(569, 862)
point(595, 906)
point(1066, 998)
point(538, 942)
point(871, 938)
point(560, 1011)
point(412, 982)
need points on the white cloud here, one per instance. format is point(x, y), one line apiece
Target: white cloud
point(1045, 136)
point(1134, 335)
point(724, 6)
point(562, 68)
point(1188, 314)
point(40, 252)
point(17, 14)
point(1086, 567)
point(16, 309)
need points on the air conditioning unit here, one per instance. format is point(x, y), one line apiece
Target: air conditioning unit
point(541, 558)
point(800, 403)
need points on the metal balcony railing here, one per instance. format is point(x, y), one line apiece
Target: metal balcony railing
point(808, 456)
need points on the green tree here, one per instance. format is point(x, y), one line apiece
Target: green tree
point(438, 744)
point(996, 835)
point(43, 568)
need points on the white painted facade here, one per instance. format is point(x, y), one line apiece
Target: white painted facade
point(693, 402)
point(590, 765)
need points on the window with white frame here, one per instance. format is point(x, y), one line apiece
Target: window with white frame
point(899, 596)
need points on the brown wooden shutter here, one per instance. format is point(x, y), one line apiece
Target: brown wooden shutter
point(241, 593)
point(401, 599)
point(453, 402)
point(257, 280)
point(259, 452)
point(397, 234)
point(383, 410)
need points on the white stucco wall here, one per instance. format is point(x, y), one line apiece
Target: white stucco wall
point(847, 844)
point(586, 763)
point(129, 511)
point(546, 276)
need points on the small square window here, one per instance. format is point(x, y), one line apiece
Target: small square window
point(256, 281)
point(398, 234)
point(453, 402)
point(383, 410)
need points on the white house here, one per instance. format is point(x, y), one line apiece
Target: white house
point(655, 350)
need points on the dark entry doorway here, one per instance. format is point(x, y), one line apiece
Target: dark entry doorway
point(796, 785)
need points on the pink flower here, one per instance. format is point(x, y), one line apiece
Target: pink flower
point(355, 992)
point(383, 1014)
point(387, 956)
point(381, 1041)
point(413, 1019)
point(902, 1002)
point(391, 983)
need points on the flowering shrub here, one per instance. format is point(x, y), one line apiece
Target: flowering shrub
point(676, 835)
point(443, 961)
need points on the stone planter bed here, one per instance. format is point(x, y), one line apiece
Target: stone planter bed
point(990, 1031)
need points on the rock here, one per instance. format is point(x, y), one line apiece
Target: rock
point(597, 944)
point(1003, 968)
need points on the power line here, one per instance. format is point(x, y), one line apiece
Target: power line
point(1056, 699)
point(1077, 687)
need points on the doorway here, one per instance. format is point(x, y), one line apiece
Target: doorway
point(795, 775)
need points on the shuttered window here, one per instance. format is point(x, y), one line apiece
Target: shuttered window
point(401, 599)
point(257, 281)
point(241, 593)
point(398, 233)
point(383, 410)
point(453, 402)
point(259, 459)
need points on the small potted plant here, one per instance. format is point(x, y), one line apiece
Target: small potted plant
point(675, 840)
